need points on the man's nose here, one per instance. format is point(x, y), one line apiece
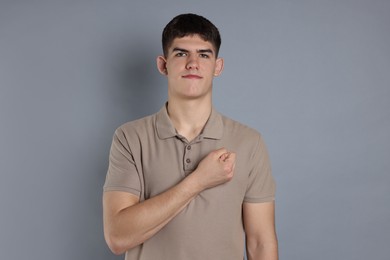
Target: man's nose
point(192, 63)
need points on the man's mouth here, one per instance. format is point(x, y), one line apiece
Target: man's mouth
point(191, 76)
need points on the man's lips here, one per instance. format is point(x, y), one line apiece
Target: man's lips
point(191, 76)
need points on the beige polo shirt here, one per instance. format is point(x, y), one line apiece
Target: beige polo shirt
point(148, 157)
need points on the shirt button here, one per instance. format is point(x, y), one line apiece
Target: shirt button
point(189, 147)
point(188, 161)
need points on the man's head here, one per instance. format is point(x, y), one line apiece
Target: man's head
point(188, 25)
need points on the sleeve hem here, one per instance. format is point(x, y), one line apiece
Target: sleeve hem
point(125, 189)
point(259, 200)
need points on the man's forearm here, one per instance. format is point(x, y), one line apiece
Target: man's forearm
point(133, 225)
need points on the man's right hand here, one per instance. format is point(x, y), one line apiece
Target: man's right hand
point(215, 169)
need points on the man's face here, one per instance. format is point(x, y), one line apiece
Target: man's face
point(190, 67)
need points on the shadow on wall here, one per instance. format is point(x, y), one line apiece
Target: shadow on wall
point(140, 89)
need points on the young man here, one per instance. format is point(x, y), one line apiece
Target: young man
point(187, 182)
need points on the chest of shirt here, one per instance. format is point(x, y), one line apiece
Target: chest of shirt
point(166, 163)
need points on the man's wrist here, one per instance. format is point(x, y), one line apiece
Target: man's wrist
point(192, 184)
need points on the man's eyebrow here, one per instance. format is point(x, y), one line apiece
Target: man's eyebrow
point(176, 49)
point(179, 50)
point(205, 51)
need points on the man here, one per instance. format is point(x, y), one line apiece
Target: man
point(187, 182)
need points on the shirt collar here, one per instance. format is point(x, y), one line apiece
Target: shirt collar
point(212, 130)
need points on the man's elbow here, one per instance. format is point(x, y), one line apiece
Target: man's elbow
point(118, 245)
point(267, 249)
point(114, 244)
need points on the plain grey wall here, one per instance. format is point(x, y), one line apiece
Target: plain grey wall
point(312, 76)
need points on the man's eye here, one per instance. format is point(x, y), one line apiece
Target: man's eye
point(202, 55)
point(181, 54)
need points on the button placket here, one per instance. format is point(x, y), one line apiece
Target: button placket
point(188, 162)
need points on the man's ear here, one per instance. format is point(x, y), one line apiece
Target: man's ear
point(162, 65)
point(218, 67)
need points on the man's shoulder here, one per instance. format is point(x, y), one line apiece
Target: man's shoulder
point(234, 127)
point(140, 125)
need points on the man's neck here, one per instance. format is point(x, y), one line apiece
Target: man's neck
point(189, 116)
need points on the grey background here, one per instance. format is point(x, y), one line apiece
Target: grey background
point(312, 76)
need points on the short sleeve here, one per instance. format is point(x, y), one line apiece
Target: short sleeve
point(261, 185)
point(122, 174)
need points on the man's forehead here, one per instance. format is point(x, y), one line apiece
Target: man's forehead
point(191, 42)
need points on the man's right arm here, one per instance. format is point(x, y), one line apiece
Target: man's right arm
point(128, 222)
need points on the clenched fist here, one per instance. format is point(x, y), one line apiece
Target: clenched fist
point(216, 168)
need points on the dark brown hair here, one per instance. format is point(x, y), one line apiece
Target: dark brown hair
point(187, 25)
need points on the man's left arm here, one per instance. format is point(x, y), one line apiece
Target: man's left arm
point(259, 223)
